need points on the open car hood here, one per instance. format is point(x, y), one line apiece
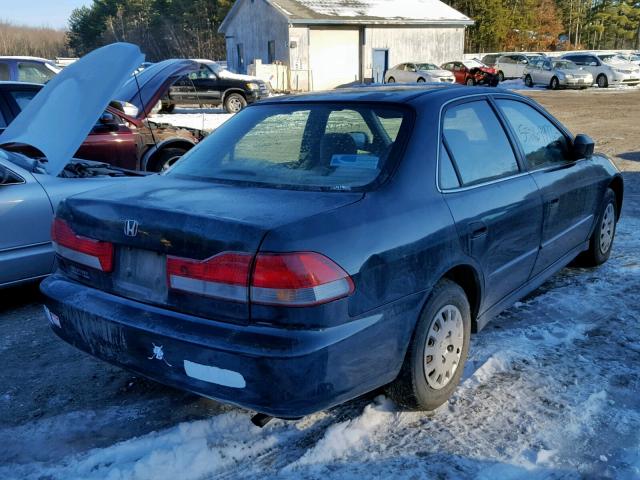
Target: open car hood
point(154, 82)
point(62, 114)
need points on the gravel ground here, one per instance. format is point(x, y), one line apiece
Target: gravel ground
point(550, 390)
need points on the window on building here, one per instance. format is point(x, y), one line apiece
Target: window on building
point(240, 56)
point(271, 51)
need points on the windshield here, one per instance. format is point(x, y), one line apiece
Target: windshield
point(315, 146)
point(215, 68)
point(427, 66)
point(473, 64)
point(565, 65)
point(611, 58)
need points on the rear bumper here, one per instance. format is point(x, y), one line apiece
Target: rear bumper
point(281, 372)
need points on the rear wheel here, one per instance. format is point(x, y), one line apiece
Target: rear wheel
point(165, 158)
point(391, 80)
point(528, 81)
point(500, 76)
point(602, 81)
point(555, 84)
point(234, 102)
point(470, 82)
point(602, 239)
point(421, 80)
point(435, 359)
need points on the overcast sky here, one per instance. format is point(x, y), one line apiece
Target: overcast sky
point(48, 13)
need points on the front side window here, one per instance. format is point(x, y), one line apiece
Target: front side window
point(33, 72)
point(542, 142)
point(316, 146)
point(7, 177)
point(22, 97)
point(477, 143)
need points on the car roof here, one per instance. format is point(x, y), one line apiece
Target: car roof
point(10, 83)
point(18, 57)
point(385, 93)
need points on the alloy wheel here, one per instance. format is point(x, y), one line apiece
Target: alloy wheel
point(443, 347)
point(607, 228)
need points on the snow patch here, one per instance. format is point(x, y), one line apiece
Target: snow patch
point(344, 439)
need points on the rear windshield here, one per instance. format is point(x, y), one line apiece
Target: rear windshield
point(315, 146)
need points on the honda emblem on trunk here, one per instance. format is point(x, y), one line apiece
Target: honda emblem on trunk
point(131, 228)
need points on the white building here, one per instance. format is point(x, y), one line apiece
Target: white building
point(327, 43)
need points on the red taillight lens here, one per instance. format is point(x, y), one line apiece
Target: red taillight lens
point(83, 250)
point(291, 279)
point(225, 275)
point(298, 279)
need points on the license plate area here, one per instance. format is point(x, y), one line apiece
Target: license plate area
point(141, 275)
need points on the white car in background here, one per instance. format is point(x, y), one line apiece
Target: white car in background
point(556, 73)
point(418, 73)
point(512, 65)
point(607, 68)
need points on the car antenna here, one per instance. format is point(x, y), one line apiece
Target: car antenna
point(135, 76)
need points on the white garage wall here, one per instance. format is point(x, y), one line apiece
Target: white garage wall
point(254, 25)
point(425, 44)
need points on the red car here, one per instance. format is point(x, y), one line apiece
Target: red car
point(130, 141)
point(472, 72)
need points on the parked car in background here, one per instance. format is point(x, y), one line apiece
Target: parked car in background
point(490, 59)
point(27, 69)
point(37, 168)
point(472, 72)
point(132, 140)
point(512, 65)
point(632, 58)
point(418, 72)
point(317, 244)
point(607, 69)
point(213, 85)
point(556, 73)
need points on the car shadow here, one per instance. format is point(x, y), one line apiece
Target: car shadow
point(633, 156)
point(20, 296)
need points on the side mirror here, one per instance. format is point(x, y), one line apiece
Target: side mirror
point(583, 146)
point(108, 119)
point(360, 138)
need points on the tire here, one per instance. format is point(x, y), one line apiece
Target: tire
point(554, 84)
point(500, 76)
point(470, 82)
point(421, 80)
point(601, 241)
point(167, 107)
point(163, 159)
point(391, 80)
point(602, 81)
point(528, 81)
point(412, 389)
point(234, 102)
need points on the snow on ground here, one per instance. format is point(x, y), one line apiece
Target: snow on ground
point(207, 119)
point(550, 391)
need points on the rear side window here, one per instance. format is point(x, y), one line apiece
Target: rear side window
point(303, 146)
point(478, 143)
point(448, 177)
point(34, 72)
point(542, 142)
point(4, 71)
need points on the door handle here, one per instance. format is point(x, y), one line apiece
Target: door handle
point(554, 202)
point(478, 229)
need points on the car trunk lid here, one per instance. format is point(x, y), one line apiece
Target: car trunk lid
point(162, 217)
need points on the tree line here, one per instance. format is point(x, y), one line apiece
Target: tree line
point(32, 41)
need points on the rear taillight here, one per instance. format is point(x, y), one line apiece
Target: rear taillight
point(290, 279)
point(83, 250)
point(298, 279)
point(223, 276)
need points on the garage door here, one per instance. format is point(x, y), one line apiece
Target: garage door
point(334, 57)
